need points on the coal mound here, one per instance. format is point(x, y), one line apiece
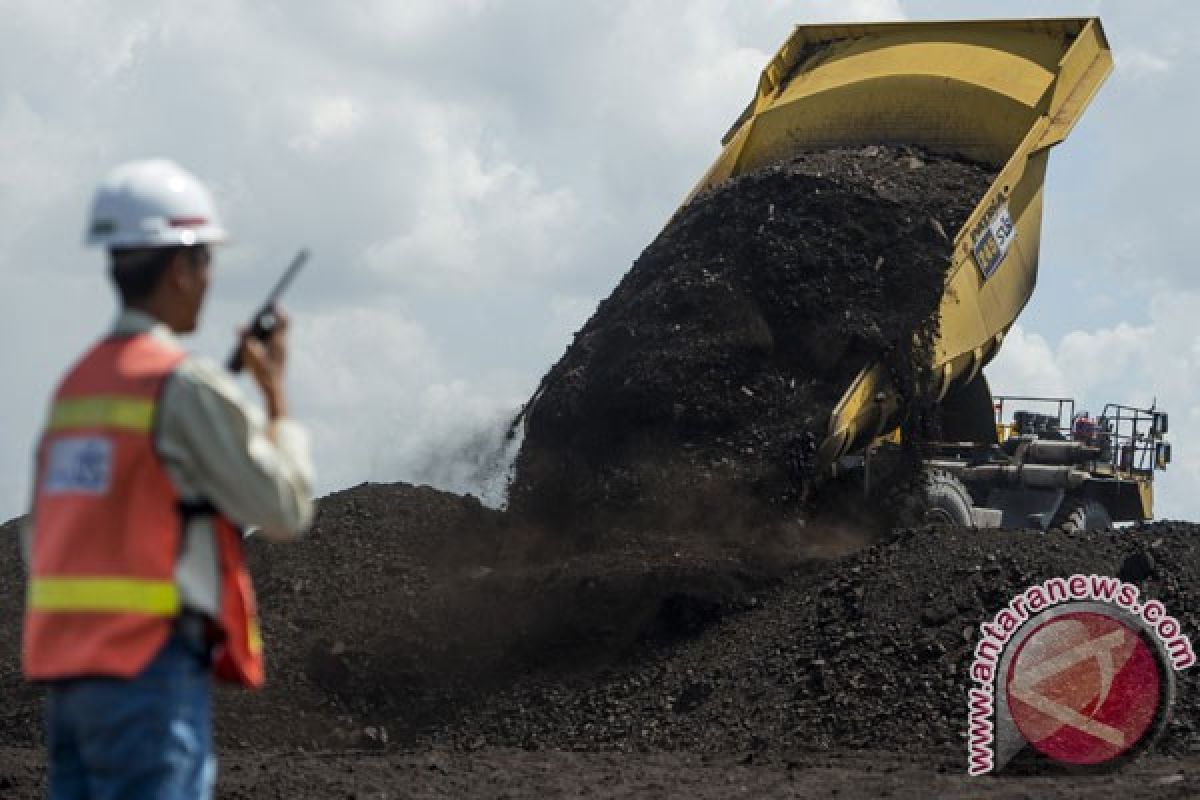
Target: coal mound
point(697, 391)
point(406, 604)
point(413, 618)
point(868, 652)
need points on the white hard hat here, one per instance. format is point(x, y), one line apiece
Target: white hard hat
point(153, 203)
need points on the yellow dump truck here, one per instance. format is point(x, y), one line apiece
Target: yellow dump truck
point(1001, 93)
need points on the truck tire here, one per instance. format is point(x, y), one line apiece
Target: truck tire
point(1082, 514)
point(946, 499)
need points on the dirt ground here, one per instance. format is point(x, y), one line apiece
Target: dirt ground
point(507, 774)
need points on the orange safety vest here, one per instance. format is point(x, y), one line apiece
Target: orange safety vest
point(108, 531)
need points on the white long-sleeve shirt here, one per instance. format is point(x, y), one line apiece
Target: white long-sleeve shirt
point(215, 447)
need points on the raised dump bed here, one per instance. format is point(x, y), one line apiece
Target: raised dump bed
point(999, 92)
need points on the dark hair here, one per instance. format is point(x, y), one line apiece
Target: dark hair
point(137, 271)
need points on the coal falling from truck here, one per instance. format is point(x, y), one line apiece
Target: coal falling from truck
point(697, 390)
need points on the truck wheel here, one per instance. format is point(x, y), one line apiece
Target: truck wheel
point(1082, 514)
point(947, 501)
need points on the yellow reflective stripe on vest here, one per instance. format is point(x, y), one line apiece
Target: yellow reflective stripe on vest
point(254, 636)
point(104, 595)
point(103, 411)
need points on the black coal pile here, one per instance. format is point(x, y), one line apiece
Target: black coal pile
point(704, 381)
point(20, 713)
point(405, 604)
point(871, 651)
point(415, 618)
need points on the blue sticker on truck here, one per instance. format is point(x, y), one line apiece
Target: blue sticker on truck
point(993, 240)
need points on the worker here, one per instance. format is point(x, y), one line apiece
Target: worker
point(150, 468)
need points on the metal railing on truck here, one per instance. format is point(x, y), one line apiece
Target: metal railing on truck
point(1129, 439)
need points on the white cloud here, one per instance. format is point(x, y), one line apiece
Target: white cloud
point(412, 21)
point(123, 52)
point(567, 315)
point(383, 405)
point(1026, 365)
point(1140, 64)
point(479, 223)
point(329, 119)
point(834, 11)
point(1096, 358)
point(361, 355)
point(39, 174)
point(82, 42)
point(864, 10)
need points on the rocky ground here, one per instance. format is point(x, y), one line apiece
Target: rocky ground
point(505, 774)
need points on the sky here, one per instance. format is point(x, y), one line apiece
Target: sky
point(473, 176)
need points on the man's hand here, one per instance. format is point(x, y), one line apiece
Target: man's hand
point(265, 362)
